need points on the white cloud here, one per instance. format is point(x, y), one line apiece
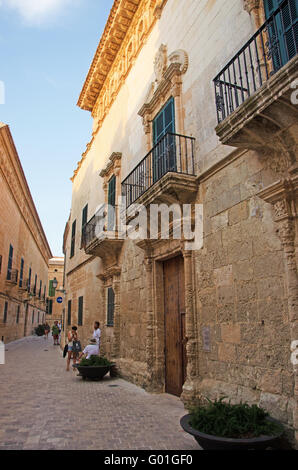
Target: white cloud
point(37, 11)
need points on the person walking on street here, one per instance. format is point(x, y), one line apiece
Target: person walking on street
point(47, 329)
point(55, 333)
point(72, 336)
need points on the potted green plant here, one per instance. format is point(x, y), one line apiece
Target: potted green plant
point(217, 425)
point(94, 368)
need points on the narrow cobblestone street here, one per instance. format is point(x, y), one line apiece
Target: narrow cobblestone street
point(43, 407)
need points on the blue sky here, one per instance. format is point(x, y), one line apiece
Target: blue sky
point(46, 48)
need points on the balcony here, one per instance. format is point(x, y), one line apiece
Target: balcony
point(101, 238)
point(12, 277)
point(166, 174)
point(253, 91)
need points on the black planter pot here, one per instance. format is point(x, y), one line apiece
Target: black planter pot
point(209, 442)
point(93, 372)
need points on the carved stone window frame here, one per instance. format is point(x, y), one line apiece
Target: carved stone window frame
point(113, 168)
point(169, 71)
point(257, 10)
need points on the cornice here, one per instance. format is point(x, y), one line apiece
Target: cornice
point(129, 24)
point(13, 173)
point(118, 23)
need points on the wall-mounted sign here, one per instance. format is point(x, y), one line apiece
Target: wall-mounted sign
point(59, 300)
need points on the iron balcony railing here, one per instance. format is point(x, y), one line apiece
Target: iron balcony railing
point(173, 153)
point(267, 51)
point(89, 232)
point(100, 224)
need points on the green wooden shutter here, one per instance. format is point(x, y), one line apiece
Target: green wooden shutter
point(9, 265)
point(5, 312)
point(21, 273)
point(164, 121)
point(284, 28)
point(18, 314)
point(69, 313)
point(80, 311)
point(111, 307)
point(84, 222)
point(52, 291)
point(35, 285)
point(112, 203)
point(29, 280)
point(164, 153)
point(73, 239)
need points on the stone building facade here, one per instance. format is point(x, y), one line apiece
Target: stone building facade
point(55, 301)
point(24, 250)
point(191, 106)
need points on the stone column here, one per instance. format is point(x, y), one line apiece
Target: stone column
point(283, 196)
point(189, 389)
point(286, 229)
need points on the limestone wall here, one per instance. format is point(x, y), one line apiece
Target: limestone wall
point(241, 289)
point(20, 228)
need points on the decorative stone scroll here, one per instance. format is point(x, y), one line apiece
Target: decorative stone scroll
point(250, 5)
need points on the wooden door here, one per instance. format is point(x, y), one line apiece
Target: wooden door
point(175, 352)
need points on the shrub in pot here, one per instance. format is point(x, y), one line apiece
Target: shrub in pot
point(94, 368)
point(220, 425)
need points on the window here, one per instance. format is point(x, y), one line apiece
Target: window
point(0, 263)
point(69, 313)
point(38, 317)
point(164, 154)
point(80, 311)
point(5, 312)
point(111, 307)
point(73, 239)
point(9, 266)
point(18, 314)
point(33, 317)
point(40, 288)
point(49, 306)
point(84, 222)
point(284, 28)
point(112, 203)
point(44, 292)
point(29, 280)
point(21, 273)
point(52, 291)
point(35, 285)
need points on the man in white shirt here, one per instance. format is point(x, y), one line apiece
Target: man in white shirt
point(91, 350)
point(97, 333)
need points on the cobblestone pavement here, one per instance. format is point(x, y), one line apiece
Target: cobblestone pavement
point(44, 407)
